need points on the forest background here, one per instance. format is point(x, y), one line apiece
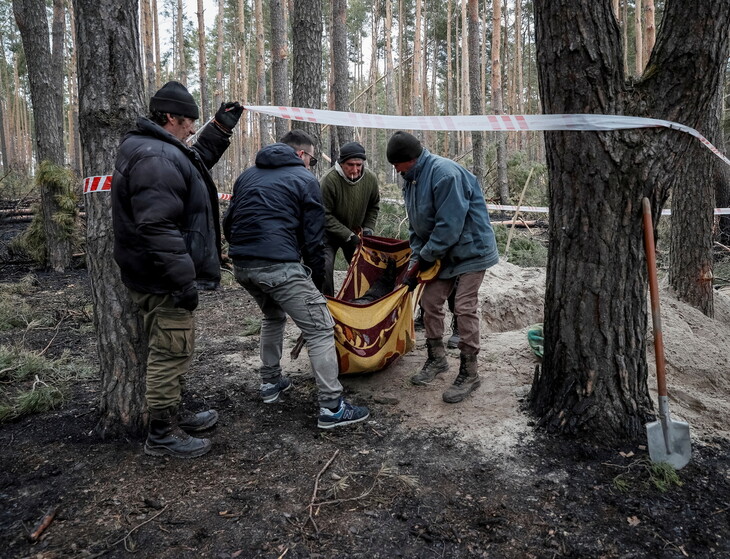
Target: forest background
point(408, 57)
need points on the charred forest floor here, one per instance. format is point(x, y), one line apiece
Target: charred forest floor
point(276, 486)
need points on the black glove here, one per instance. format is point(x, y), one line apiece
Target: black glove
point(352, 243)
point(411, 282)
point(228, 115)
point(424, 264)
point(186, 298)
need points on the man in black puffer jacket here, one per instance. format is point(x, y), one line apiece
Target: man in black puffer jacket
point(275, 220)
point(167, 244)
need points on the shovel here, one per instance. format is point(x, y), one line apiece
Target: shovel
point(668, 440)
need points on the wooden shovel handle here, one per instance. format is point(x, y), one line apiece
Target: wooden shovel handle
point(654, 293)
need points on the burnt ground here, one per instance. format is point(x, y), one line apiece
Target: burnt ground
point(276, 486)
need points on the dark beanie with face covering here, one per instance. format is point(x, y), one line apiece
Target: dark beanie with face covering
point(351, 150)
point(403, 147)
point(175, 99)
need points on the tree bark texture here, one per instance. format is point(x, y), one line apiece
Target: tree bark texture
point(341, 74)
point(203, 66)
point(593, 381)
point(477, 137)
point(45, 74)
point(307, 55)
point(110, 86)
point(279, 62)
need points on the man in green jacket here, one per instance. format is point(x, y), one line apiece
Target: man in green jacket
point(351, 202)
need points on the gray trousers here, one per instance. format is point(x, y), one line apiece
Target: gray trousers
point(171, 341)
point(287, 289)
point(466, 303)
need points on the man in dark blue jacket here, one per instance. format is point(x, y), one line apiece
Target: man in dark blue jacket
point(276, 220)
point(167, 243)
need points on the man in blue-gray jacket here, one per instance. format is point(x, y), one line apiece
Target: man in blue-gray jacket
point(276, 221)
point(448, 221)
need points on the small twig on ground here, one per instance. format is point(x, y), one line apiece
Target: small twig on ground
point(285, 552)
point(316, 488)
point(124, 539)
point(54, 335)
point(43, 524)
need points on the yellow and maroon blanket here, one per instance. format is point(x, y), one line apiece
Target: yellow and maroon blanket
point(373, 311)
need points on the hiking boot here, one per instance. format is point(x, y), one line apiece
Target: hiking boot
point(345, 415)
point(453, 342)
point(270, 391)
point(194, 422)
point(435, 364)
point(165, 438)
point(466, 381)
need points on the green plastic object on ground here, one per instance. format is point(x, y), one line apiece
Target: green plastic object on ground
point(535, 339)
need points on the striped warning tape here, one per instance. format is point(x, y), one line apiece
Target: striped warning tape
point(495, 123)
point(538, 209)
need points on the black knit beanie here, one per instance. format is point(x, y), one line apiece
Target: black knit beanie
point(351, 150)
point(175, 99)
point(403, 147)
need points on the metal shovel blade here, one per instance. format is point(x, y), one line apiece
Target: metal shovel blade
point(668, 440)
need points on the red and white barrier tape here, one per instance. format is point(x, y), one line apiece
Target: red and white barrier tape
point(541, 209)
point(104, 183)
point(497, 123)
point(97, 184)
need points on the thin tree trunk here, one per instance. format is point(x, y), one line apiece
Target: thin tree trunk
point(182, 67)
point(502, 186)
point(158, 58)
point(203, 65)
point(477, 138)
point(649, 28)
point(110, 86)
point(264, 131)
point(638, 31)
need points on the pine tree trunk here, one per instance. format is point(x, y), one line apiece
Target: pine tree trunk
point(203, 66)
point(279, 63)
point(593, 381)
point(477, 138)
point(497, 104)
point(110, 87)
point(638, 43)
point(264, 130)
point(45, 74)
point(182, 67)
point(307, 54)
point(340, 74)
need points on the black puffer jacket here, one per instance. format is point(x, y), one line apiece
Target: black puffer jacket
point(276, 212)
point(165, 209)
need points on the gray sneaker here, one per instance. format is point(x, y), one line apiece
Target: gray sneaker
point(270, 391)
point(346, 414)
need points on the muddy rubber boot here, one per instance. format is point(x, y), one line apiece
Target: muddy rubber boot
point(453, 342)
point(195, 422)
point(466, 381)
point(165, 438)
point(435, 364)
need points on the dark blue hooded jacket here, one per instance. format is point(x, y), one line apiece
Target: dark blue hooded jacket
point(276, 212)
